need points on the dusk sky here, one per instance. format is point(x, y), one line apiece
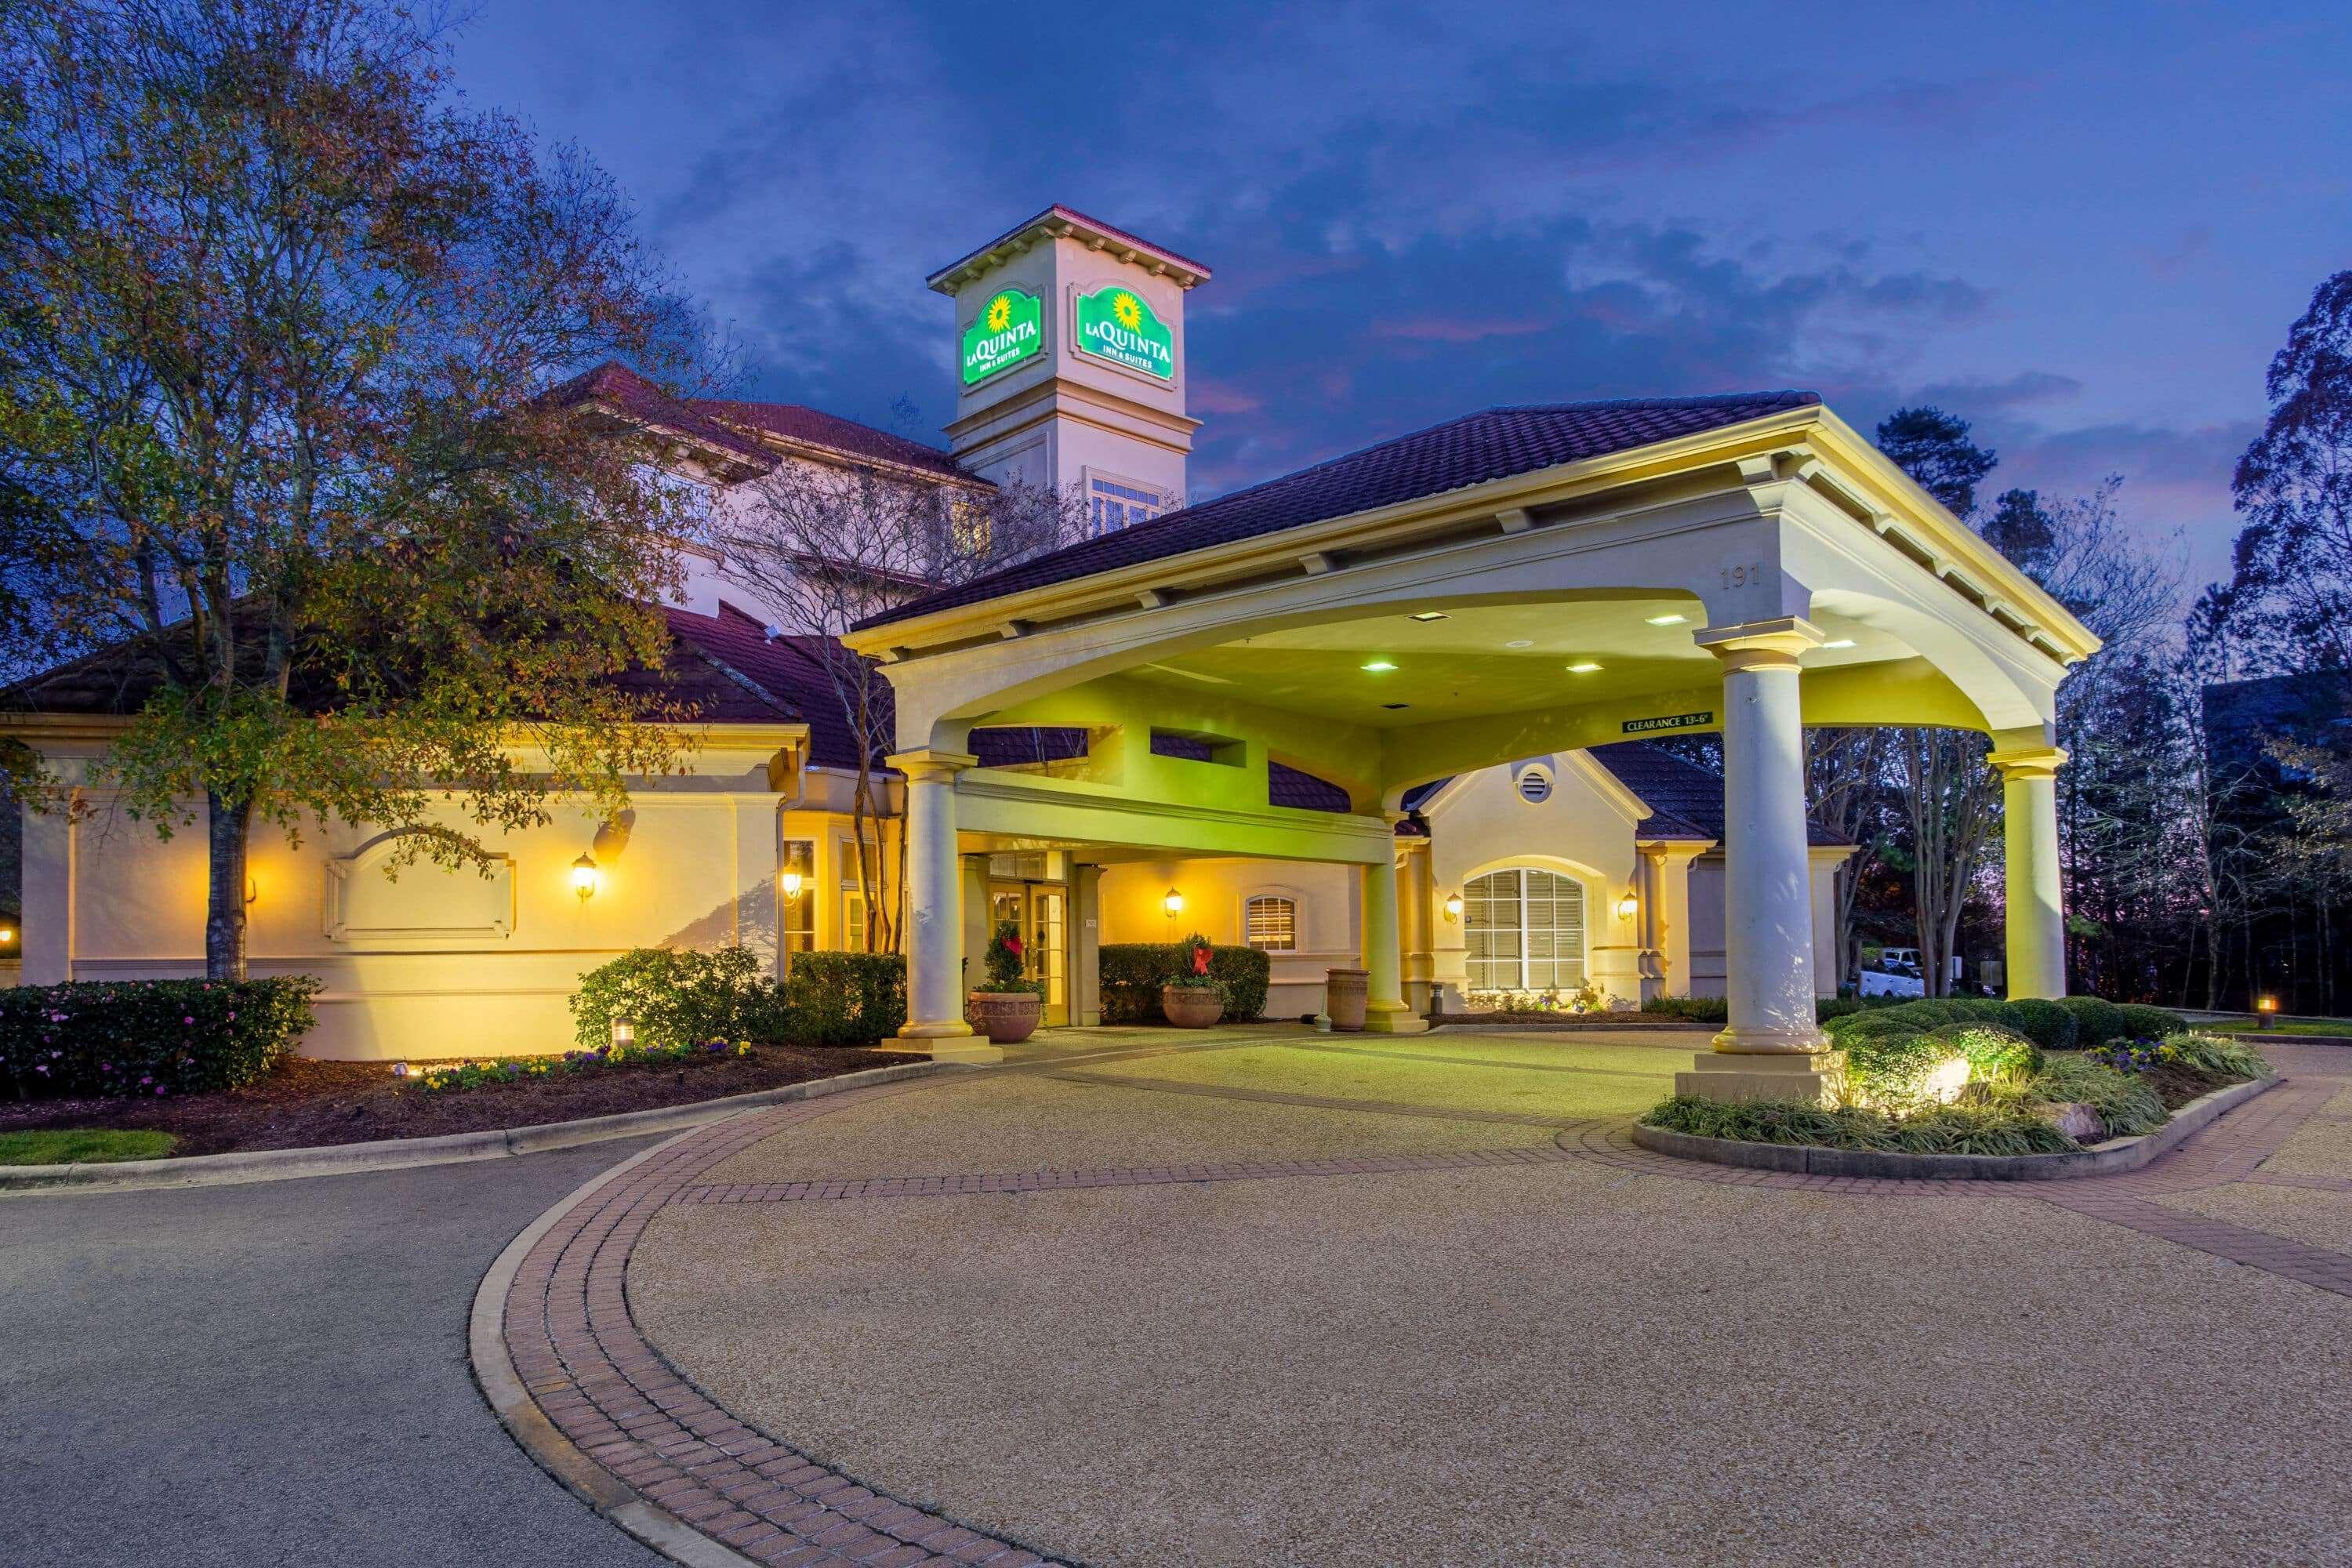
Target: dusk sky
point(2084, 227)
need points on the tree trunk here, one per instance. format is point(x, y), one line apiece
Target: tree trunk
point(227, 829)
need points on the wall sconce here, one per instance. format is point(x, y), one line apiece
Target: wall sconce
point(583, 876)
point(1627, 905)
point(1452, 906)
point(2266, 1011)
point(1174, 904)
point(625, 1033)
point(791, 883)
point(7, 936)
point(252, 889)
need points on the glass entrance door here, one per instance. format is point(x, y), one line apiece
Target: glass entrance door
point(1040, 912)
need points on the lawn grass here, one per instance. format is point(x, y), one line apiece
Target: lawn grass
point(1471, 1073)
point(2336, 1028)
point(83, 1146)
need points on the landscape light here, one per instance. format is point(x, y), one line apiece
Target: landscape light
point(1379, 666)
point(1667, 620)
point(1583, 666)
point(583, 876)
point(2268, 1009)
point(625, 1033)
point(7, 936)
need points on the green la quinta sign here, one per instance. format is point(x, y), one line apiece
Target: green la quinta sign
point(1010, 330)
point(1116, 323)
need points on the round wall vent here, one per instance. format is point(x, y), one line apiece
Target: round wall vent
point(1535, 786)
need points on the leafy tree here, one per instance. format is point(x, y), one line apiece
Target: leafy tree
point(1934, 449)
point(2288, 604)
point(280, 318)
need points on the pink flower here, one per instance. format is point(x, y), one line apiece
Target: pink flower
point(187, 1020)
point(40, 1066)
point(146, 1077)
point(158, 1088)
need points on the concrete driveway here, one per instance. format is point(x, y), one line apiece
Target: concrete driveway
point(273, 1374)
point(1300, 1301)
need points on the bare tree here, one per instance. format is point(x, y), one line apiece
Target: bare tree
point(822, 548)
point(1846, 785)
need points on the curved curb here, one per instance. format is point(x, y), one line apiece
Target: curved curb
point(2110, 1159)
point(527, 1423)
point(448, 1149)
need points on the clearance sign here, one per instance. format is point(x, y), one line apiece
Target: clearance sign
point(1115, 323)
point(1010, 330)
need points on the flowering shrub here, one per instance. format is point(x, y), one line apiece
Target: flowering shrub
point(149, 1038)
point(2127, 1056)
point(443, 1078)
point(1004, 976)
point(675, 998)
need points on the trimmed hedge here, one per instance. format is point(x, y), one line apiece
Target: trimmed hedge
point(149, 1036)
point(2102, 1020)
point(844, 998)
point(1133, 971)
point(675, 997)
point(682, 997)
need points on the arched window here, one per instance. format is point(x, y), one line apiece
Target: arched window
point(1526, 929)
point(1270, 923)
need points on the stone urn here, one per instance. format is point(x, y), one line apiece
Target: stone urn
point(1191, 1007)
point(1006, 1017)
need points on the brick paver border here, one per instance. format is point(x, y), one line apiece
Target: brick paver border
point(602, 1411)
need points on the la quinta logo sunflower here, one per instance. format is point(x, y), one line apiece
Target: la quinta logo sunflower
point(1118, 324)
point(1010, 330)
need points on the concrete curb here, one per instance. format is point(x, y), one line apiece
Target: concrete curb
point(2289, 1037)
point(2112, 1158)
point(527, 1423)
point(454, 1148)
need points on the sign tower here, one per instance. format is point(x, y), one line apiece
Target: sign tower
point(1070, 364)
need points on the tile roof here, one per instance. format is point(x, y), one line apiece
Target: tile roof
point(1301, 792)
point(813, 427)
point(1495, 444)
point(735, 425)
point(1685, 800)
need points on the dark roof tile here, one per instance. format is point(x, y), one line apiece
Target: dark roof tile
point(1475, 449)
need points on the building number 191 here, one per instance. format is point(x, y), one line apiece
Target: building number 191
point(1741, 576)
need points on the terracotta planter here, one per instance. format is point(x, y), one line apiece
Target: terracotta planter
point(1345, 990)
point(1006, 1017)
point(1191, 1006)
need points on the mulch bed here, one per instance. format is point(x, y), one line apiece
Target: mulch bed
point(307, 1103)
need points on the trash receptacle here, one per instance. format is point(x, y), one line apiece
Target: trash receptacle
point(1344, 990)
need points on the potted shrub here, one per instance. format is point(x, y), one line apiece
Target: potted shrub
point(1006, 1009)
point(1193, 998)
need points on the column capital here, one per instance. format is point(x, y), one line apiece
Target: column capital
point(2029, 763)
point(926, 764)
point(1761, 645)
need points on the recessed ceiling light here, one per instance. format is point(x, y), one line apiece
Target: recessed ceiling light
point(1666, 620)
point(1841, 642)
point(1520, 642)
point(1428, 614)
point(1379, 666)
point(1583, 666)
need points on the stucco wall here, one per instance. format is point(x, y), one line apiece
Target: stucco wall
point(1214, 892)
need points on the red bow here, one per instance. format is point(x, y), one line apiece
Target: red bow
point(1200, 960)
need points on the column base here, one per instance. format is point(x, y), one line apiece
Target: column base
point(1816, 1078)
point(1753, 1042)
point(952, 1041)
point(1393, 1018)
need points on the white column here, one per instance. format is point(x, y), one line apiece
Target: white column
point(1771, 1047)
point(2036, 919)
point(1385, 1008)
point(935, 1022)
